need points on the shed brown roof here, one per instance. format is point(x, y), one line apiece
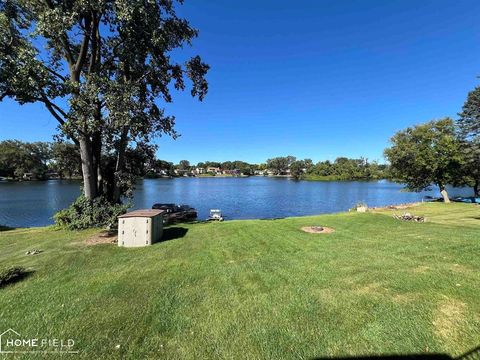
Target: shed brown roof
point(142, 213)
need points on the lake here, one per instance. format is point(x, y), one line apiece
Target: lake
point(24, 204)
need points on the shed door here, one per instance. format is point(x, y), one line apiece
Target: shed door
point(141, 231)
point(147, 228)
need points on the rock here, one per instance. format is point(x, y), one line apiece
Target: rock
point(409, 217)
point(33, 252)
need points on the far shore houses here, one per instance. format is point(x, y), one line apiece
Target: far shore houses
point(210, 170)
point(172, 172)
point(214, 170)
point(193, 171)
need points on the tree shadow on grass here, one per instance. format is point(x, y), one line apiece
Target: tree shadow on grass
point(173, 232)
point(470, 355)
point(14, 275)
point(6, 228)
point(393, 357)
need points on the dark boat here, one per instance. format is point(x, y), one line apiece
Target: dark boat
point(468, 200)
point(176, 213)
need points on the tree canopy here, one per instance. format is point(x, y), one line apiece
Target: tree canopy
point(66, 159)
point(280, 165)
point(18, 158)
point(469, 126)
point(348, 169)
point(426, 154)
point(184, 165)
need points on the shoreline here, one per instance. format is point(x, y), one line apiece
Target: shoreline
point(203, 176)
point(401, 206)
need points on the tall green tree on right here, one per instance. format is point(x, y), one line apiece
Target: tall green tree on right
point(469, 126)
point(425, 155)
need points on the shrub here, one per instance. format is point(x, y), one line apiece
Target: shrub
point(84, 214)
point(12, 274)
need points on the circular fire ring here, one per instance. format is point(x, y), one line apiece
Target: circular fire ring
point(317, 229)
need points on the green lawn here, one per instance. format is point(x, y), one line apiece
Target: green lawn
point(256, 289)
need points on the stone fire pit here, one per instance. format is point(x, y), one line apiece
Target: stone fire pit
point(317, 229)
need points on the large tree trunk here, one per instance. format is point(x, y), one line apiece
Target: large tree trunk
point(88, 168)
point(444, 193)
point(97, 149)
point(97, 165)
point(120, 165)
point(476, 188)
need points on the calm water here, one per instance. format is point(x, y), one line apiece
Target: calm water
point(34, 203)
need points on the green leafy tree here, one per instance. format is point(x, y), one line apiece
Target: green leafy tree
point(227, 165)
point(262, 166)
point(322, 168)
point(100, 68)
point(212, 164)
point(184, 165)
point(297, 169)
point(66, 159)
point(308, 164)
point(280, 165)
point(469, 121)
point(163, 165)
point(348, 169)
point(469, 126)
point(137, 161)
point(426, 154)
point(243, 167)
point(18, 158)
point(11, 157)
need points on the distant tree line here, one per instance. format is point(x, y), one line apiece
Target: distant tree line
point(437, 153)
point(167, 168)
point(42, 160)
point(37, 159)
point(341, 169)
point(349, 169)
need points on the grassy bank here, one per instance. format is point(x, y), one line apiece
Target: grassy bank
point(310, 177)
point(256, 289)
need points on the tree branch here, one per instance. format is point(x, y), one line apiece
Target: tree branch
point(68, 51)
point(53, 72)
point(5, 94)
point(64, 40)
point(95, 56)
point(112, 58)
point(84, 47)
point(53, 112)
point(51, 108)
point(58, 108)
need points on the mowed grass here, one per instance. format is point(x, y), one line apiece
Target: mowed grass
point(259, 289)
point(448, 214)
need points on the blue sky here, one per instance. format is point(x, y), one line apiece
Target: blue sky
point(313, 79)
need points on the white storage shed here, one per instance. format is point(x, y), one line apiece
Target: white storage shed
point(140, 228)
